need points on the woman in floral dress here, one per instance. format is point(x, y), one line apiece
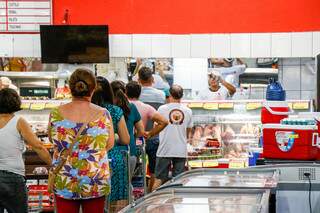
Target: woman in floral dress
point(84, 178)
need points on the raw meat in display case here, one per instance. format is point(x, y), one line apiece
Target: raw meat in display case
point(235, 124)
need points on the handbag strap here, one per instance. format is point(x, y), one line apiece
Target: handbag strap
point(69, 150)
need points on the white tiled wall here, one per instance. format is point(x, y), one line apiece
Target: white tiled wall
point(22, 45)
point(6, 43)
point(281, 45)
point(200, 45)
point(297, 78)
point(160, 46)
point(220, 45)
point(302, 44)
point(260, 45)
point(180, 46)
point(241, 45)
point(141, 45)
point(291, 77)
point(120, 45)
point(315, 43)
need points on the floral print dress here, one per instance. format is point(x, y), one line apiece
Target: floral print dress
point(86, 172)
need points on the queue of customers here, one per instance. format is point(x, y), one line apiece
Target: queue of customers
point(92, 136)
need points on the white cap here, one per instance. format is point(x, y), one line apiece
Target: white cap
point(5, 81)
point(213, 71)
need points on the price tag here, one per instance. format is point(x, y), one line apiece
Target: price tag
point(25, 106)
point(301, 105)
point(211, 106)
point(253, 106)
point(236, 164)
point(37, 106)
point(195, 164)
point(210, 163)
point(195, 105)
point(51, 105)
point(226, 106)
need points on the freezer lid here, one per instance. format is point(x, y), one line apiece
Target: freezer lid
point(202, 200)
point(289, 127)
point(227, 178)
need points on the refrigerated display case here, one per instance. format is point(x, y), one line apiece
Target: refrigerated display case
point(226, 134)
point(225, 178)
point(36, 112)
point(203, 200)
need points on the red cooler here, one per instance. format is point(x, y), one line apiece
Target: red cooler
point(274, 111)
point(291, 142)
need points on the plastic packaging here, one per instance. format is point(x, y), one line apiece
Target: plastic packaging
point(275, 92)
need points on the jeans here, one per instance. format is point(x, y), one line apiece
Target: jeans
point(151, 150)
point(13, 193)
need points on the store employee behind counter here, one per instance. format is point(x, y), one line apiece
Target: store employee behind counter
point(218, 88)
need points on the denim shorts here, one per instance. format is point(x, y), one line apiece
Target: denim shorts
point(13, 193)
point(151, 150)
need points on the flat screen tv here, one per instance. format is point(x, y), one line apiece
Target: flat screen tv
point(74, 44)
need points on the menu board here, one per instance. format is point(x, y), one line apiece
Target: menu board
point(24, 15)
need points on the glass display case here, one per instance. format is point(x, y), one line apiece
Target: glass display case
point(226, 134)
point(36, 112)
point(226, 178)
point(203, 200)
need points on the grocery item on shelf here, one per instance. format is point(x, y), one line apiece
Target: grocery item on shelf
point(298, 121)
point(34, 98)
point(39, 199)
point(63, 92)
point(40, 171)
point(41, 129)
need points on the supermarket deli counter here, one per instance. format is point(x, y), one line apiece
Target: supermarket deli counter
point(36, 112)
point(227, 134)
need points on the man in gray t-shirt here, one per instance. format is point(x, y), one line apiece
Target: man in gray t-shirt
point(148, 93)
point(155, 98)
point(172, 148)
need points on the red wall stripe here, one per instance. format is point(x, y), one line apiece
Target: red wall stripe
point(193, 16)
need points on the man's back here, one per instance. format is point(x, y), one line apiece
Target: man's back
point(152, 95)
point(146, 111)
point(173, 138)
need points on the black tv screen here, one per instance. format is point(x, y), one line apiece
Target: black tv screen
point(74, 44)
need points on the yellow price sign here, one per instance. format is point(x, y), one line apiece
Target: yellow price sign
point(211, 106)
point(210, 163)
point(236, 164)
point(25, 106)
point(37, 106)
point(253, 106)
point(51, 105)
point(301, 105)
point(195, 164)
point(226, 106)
point(195, 105)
